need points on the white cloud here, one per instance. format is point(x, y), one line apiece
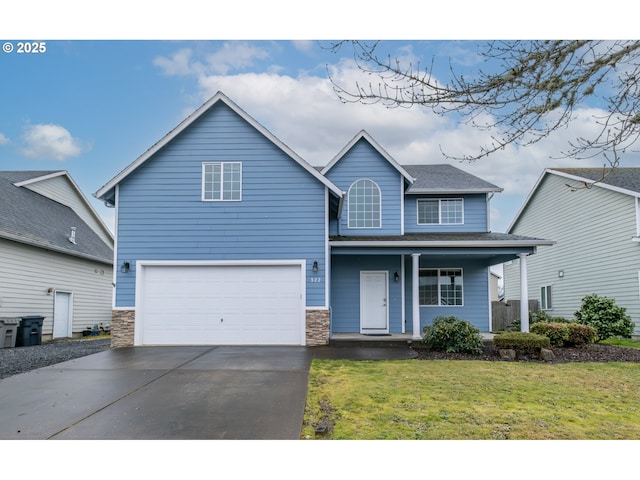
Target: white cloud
point(232, 56)
point(50, 142)
point(305, 113)
point(3, 139)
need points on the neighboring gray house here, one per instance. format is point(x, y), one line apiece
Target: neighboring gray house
point(596, 224)
point(56, 254)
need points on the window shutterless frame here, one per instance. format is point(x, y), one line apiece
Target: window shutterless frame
point(440, 211)
point(222, 181)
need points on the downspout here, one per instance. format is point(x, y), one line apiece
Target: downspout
point(489, 197)
point(340, 208)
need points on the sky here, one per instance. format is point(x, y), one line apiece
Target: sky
point(92, 104)
point(110, 79)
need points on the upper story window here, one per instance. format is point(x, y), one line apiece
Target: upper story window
point(364, 204)
point(441, 211)
point(222, 181)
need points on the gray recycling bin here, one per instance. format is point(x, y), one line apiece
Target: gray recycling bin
point(8, 332)
point(30, 331)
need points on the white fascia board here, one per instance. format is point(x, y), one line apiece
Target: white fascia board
point(431, 191)
point(81, 195)
point(363, 134)
point(41, 178)
point(594, 183)
point(442, 244)
point(191, 119)
point(526, 201)
point(53, 248)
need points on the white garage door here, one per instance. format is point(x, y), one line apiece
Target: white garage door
point(221, 305)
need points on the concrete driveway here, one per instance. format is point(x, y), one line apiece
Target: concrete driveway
point(161, 393)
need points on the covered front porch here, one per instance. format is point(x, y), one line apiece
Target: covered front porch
point(392, 287)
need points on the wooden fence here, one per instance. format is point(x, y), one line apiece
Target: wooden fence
point(503, 313)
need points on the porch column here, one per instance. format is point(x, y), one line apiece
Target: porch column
point(524, 294)
point(415, 295)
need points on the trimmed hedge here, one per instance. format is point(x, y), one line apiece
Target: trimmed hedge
point(566, 334)
point(526, 342)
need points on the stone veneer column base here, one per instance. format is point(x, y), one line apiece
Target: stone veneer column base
point(122, 325)
point(123, 321)
point(318, 327)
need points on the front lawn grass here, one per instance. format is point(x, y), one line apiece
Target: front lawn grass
point(622, 342)
point(468, 400)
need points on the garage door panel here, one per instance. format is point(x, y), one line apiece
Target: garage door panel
point(222, 305)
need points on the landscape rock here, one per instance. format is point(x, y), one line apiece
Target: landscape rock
point(507, 354)
point(547, 355)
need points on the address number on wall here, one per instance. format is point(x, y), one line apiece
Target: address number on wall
point(315, 280)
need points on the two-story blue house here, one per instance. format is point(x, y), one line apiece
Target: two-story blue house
point(224, 235)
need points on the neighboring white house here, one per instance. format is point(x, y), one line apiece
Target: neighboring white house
point(595, 223)
point(56, 254)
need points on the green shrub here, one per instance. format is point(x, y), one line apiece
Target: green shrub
point(557, 333)
point(565, 334)
point(453, 335)
point(530, 343)
point(602, 313)
point(579, 334)
point(535, 317)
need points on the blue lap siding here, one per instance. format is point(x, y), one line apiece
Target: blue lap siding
point(161, 215)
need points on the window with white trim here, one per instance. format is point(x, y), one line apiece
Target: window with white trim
point(545, 297)
point(222, 181)
point(364, 204)
point(440, 286)
point(440, 211)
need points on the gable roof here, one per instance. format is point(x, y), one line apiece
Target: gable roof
point(33, 219)
point(622, 179)
point(104, 192)
point(442, 179)
point(625, 180)
point(364, 135)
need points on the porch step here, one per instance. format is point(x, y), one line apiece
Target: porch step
point(370, 341)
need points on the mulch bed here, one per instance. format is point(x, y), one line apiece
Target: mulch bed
point(590, 353)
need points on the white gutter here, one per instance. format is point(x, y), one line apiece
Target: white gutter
point(441, 243)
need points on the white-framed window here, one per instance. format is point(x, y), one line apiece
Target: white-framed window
point(545, 297)
point(365, 207)
point(441, 286)
point(440, 211)
point(222, 181)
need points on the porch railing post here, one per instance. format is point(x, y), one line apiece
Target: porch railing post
point(415, 295)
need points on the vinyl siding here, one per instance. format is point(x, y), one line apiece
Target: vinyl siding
point(593, 230)
point(474, 208)
point(475, 308)
point(161, 215)
point(26, 273)
point(363, 161)
point(61, 190)
point(345, 293)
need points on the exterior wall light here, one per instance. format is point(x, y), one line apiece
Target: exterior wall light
point(125, 267)
point(561, 273)
point(315, 266)
point(396, 277)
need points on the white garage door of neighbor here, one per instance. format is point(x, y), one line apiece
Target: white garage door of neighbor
point(221, 305)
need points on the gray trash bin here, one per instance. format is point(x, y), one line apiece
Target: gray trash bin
point(8, 332)
point(30, 331)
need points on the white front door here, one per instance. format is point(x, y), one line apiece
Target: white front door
point(62, 308)
point(374, 309)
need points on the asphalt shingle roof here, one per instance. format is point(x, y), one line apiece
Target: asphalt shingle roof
point(31, 218)
point(621, 177)
point(446, 179)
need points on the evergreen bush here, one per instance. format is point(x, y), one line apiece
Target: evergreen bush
point(453, 335)
point(530, 343)
point(602, 313)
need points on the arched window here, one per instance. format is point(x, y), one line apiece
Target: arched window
point(364, 204)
